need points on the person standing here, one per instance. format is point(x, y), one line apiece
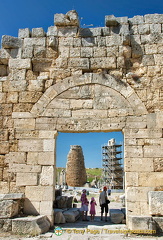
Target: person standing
point(92, 208)
point(84, 205)
point(103, 200)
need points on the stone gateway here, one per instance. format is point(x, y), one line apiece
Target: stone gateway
point(74, 79)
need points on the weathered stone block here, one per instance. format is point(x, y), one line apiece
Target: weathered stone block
point(68, 19)
point(116, 216)
point(71, 215)
point(15, 157)
point(3, 70)
point(29, 42)
point(38, 32)
point(20, 63)
point(11, 42)
point(24, 124)
point(30, 225)
point(8, 208)
point(30, 145)
point(39, 193)
point(26, 179)
point(156, 203)
point(52, 31)
point(47, 176)
point(142, 223)
point(58, 216)
point(12, 97)
point(24, 33)
point(12, 196)
point(23, 168)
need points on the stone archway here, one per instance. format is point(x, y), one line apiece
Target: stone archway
point(91, 102)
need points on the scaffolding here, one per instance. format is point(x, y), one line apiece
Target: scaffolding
point(113, 173)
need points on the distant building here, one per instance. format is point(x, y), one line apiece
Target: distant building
point(113, 174)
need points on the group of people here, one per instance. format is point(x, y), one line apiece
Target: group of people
point(103, 201)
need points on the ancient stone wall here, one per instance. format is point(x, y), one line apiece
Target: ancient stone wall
point(74, 79)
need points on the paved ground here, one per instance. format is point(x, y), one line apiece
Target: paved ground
point(81, 230)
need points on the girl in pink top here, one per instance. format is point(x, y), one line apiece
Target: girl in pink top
point(92, 208)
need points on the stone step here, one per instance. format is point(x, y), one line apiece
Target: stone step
point(33, 225)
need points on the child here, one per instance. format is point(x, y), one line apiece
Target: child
point(84, 205)
point(92, 208)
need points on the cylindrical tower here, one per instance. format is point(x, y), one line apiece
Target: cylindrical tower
point(75, 168)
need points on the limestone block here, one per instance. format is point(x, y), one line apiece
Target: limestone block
point(153, 18)
point(11, 42)
point(148, 60)
point(99, 52)
point(83, 113)
point(23, 168)
point(4, 135)
point(151, 179)
point(67, 32)
point(68, 19)
point(48, 145)
point(15, 157)
point(80, 63)
point(116, 215)
point(58, 216)
point(151, 49)
point(143, 133)
point(113, 41)
point(38, 32)
point(32, 226)
point(30, 145)
point(20, 63)
point(17, 74)
point(103, 62)
point(29, 42)
point(27, 52)
point(134, 164)
point(78, 104)
point(26, 179)
point(41, 66)
point(153, 151)
point(41, 158)
point(156, 203)
point(39, 52)
point(67, 42)
point(8, 208)
point(47, 176)
point(12, 97)
point(22, 107)
point(52, 31)
point(158, 59)
point(134, 194)
point(48, 134)
point(29, 97)
point(111, 21)
point(74, 52)
point(24, 33)
point(6, 225)
point(131, 179)
point(4, 147)
point(158, 164)
point(155, 28)
point(71, 215)
point(133, 151)
point(24, 123)
point(12, 196)
point(143, 223)
point(36, 85)
point(39, 193)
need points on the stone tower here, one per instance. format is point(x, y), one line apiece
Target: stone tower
point(75, 168)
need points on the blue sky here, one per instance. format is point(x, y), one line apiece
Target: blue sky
point(17, 14)
point(91, 144)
